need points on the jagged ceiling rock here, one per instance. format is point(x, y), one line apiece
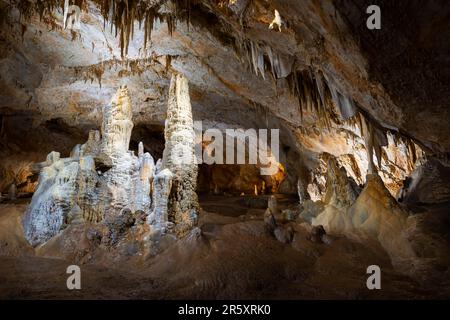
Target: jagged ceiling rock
point(409, 58)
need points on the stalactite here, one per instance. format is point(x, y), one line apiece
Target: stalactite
point(342, 101)
point(312, 95)
point(130, 67)
point(320, 87)
point(119, 14)
point(377, 149)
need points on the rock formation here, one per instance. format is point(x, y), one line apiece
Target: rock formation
point(340, 95)
point(179, 156)
point(341, 193)
point(162, 186)
point(98, 181)
point(12, 192)
point(377, 214)
point(374, 213)
point(429, 183)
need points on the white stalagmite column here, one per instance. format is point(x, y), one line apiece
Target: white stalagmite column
point(143, 184)
point(162, 185)
point(179, 156)
point(117, 124)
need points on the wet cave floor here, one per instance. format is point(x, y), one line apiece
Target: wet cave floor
point(234, 258)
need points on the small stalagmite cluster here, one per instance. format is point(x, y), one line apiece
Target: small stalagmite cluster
point(102, 180)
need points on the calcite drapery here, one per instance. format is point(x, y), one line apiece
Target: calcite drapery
point(179, 156)
point(99, 180)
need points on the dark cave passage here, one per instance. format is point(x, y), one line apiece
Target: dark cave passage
point(237, 180)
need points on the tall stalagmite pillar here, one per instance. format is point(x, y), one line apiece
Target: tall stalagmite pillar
point(117, 124)
point(179, 156)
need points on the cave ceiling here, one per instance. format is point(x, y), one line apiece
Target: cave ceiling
point(66, 77)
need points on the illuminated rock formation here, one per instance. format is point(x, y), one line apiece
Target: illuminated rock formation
point(179, 156)
point(374, 213)
point(100, 180)
point(53, 200)
point(117, 125)
point(341, 193)
point(378, 215)
point(428, 183)
point(162, 185)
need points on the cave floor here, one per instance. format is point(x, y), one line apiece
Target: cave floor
point(234, 258)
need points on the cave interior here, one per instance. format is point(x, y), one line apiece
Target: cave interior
point(100, 100)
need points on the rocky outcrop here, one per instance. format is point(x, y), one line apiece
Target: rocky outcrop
point(373, 213)
point(393, 158)
point(377, 214)
point(97, 182)
point(179, 156)
point(341, 193)
point(52, 201)
point(428, 184)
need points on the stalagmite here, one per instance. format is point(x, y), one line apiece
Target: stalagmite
point(179, 156)
point(92, 145)
point(52, 201)
point(117, 125)
point(122, 180)
point(162, 185)
point(87, 179)
point(144, 182)
point(269, 215)
point(100, 180)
